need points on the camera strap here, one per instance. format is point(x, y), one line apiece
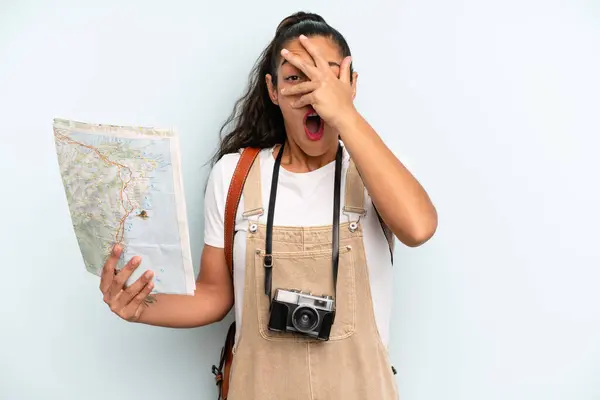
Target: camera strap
point(268, 260)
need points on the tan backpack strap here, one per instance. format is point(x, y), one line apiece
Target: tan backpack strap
point(233, 199)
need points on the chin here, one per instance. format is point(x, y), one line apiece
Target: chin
point(319, 147)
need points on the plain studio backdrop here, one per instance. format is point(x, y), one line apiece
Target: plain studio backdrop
point(492, 104)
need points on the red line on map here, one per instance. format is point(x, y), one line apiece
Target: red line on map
point(121, 229)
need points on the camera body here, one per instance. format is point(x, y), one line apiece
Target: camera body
point(296, 311)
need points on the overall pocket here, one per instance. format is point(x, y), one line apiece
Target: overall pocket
point(309, 272)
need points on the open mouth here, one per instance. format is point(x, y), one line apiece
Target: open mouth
point(313, 125)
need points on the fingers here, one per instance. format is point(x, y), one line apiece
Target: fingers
point(314, 52)
point(298, 62)
point(354, 79)
point(108, 271)
point(301, 88)
point(133, 290)
point(345, 70)
point(119, 280)
point(133, 309)
point(125, 302)
point(304, 101)
point(136, 306)
point(128, 304)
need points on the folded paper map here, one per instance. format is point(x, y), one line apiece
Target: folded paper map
point(123, 185)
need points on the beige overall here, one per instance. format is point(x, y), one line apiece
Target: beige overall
point(353, 364)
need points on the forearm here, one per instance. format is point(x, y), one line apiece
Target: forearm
point(399, 198)
point(208, 304)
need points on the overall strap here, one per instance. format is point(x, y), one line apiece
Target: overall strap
point(355, 202)
point(253, 192)
point(355, 191)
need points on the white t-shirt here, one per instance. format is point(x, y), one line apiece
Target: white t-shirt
point(303, 199)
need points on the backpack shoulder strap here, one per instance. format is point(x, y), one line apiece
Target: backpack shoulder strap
point(233, 199)
point(232, 202)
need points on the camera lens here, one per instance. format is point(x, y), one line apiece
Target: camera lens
point(305, 319)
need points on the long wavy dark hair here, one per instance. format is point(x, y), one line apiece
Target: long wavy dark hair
point(255, 121)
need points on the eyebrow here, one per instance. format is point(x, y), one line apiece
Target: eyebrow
point(331, 63)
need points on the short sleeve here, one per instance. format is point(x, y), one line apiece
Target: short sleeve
point(214, 207)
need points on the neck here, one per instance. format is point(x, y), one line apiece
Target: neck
point(296, 160)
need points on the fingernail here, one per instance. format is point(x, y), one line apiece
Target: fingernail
point(136, 261)
point(284, 52)
point(148, 274)
point(303, 37)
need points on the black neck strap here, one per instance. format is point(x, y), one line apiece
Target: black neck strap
point(335, 241)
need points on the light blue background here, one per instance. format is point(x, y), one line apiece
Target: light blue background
point(492, 104)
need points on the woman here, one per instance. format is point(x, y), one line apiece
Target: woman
point(318, 158)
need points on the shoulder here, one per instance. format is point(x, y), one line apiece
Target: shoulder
point(225, 165)
point(223, 170)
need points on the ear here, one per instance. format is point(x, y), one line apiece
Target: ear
point(354, 79)
point(271, 89)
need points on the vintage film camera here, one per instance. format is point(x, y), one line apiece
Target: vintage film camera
point(296, 311)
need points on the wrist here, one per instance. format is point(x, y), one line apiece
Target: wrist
point(345, 121)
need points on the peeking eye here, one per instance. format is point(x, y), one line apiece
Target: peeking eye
point(292, 78)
